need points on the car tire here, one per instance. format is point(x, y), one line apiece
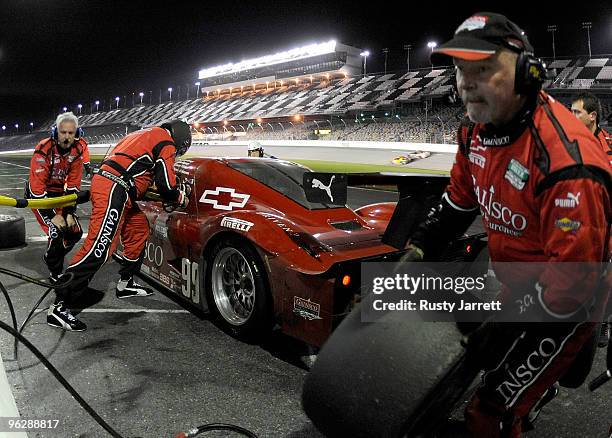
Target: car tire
point(393, 378)
point(237, 290)
point(12, 231)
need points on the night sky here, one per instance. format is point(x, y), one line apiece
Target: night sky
point(64, 52)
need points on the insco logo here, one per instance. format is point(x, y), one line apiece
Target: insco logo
point(107, 232)
point(525, 372)
point(154, 254)
point(513, 223)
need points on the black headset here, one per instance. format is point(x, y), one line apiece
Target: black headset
point(530, 74)
point(78, 134)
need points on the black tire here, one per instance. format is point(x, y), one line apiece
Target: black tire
point(12, 231)
point(387, 379)
point(247, 312)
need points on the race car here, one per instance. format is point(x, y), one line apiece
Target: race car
point(410, 157)
point(253, 250)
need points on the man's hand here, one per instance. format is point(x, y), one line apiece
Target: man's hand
point(70, 221)
point(412, 254)
point(183, 199)
point(59, 222)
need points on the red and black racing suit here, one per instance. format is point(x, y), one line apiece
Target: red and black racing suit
point(605, 140)
point(55, 171)
point(141, 158)
point(542, 187)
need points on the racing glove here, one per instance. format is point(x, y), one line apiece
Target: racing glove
point(413, 254)
point(182, 200)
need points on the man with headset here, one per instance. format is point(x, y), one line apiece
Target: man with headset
point(142, 158)
point(522, 159)
point(587, 108)
point(56, 170)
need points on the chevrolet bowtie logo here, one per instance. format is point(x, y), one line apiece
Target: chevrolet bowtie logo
point(209, 197)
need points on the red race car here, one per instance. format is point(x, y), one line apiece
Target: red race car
point(254, 251)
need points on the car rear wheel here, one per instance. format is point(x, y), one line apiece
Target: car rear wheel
point(237, 289)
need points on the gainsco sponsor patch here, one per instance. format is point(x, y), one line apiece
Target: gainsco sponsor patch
point(566, 224)
point(517, 174)
point(306, 308)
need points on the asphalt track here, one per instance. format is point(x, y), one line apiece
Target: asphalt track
point(151, 368)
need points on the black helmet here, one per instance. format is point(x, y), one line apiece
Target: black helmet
point(180, 133)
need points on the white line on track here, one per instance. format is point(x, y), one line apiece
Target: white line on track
point(16, 165)
point(44, 238)
point(134, 311)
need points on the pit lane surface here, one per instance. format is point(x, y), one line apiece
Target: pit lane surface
point(150, 368)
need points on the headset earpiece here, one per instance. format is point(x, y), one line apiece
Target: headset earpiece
point(78, 134)
point(530, 74)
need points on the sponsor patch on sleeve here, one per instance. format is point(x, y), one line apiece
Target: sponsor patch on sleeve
point(566, 224)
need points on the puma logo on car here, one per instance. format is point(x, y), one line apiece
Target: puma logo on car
point(316, 184)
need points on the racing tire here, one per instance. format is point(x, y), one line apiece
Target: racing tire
point(12, 231)
point(237, 290)
point(391, 378)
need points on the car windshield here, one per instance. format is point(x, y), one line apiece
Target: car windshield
point(282, 176)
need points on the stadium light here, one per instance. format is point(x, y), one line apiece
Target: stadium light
point(65, 109)
point(97, 103)
point(587, 25)
point(197, 84)
point(170, 91)
point(407, 48)
point(552, 28)
point(17, 126)
point(365, 55)
point(265, 61)
point(117, 100)
point(79, 106)
point(31, 126)
point(3, 128)
point(432, 45)
point(386, 53)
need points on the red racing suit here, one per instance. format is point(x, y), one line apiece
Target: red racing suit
point(605, 139)
point(56, 172)
point(141, 158)
point(542, 187)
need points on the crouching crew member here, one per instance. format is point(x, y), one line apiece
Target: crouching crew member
point(139, 160)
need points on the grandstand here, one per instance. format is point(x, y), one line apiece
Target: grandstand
point(329, 104)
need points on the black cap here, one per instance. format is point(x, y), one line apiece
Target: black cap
point(480, 36)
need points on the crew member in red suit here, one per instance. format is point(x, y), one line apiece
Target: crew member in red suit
point(142, 158)
point(542, 186)
point(587, 108)
point(56, 169)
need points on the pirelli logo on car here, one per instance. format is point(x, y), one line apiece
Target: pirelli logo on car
point(306, 308)
point(236, 224)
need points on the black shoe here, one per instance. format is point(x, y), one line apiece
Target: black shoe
point(604, 335)
point(128, 288)
point(59, 316)
point(532, 416)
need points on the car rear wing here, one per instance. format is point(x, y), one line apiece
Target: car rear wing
point(418, 192)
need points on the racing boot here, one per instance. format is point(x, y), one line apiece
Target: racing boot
point(59, 316)
point(129, 288)
point(532, 416)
